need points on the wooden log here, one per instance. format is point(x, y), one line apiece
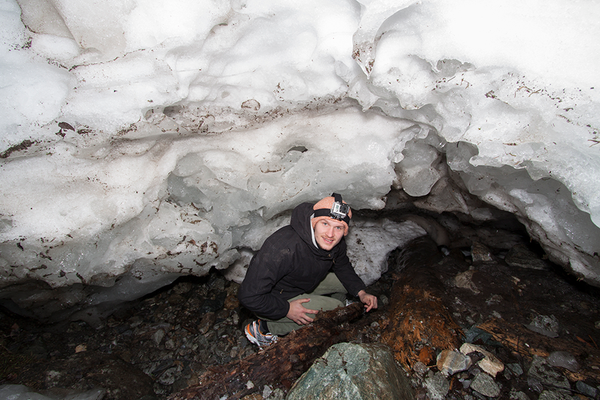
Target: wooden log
point(282, 362)
point(528, 343)
point(419, 323)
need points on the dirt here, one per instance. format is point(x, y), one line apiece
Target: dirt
point(162, 343)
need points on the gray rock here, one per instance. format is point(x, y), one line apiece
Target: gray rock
point(546, 325)
point(515, 369)
point(521, 256)
point(485, 384)
point(555, 395)
point(207, 322)
point(353, 371)
point(563, 359)
point(517, 395)
point(437, 386)
point(586, 389)
point(158, 336)
point(546, 374)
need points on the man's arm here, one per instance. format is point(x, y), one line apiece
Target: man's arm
point(265, 269)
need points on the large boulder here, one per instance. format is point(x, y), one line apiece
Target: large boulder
point(353, 371)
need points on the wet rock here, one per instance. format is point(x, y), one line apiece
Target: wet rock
point(521, 256)
point(485, 384)
point(449, 362)
point(353, 371)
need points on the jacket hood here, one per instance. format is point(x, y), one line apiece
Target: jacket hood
point(302, 225)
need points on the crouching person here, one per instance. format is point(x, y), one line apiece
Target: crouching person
point(300, 270)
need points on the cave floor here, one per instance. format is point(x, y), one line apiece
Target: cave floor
point(162, 343)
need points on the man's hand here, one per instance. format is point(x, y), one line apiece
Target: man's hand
point(298, 313)
point(368, 300)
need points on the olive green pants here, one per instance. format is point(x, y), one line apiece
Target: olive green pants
point(328, 295)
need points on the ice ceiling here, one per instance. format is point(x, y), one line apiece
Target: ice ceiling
point(143, 140)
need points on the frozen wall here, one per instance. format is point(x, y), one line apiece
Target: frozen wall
point(141, 140)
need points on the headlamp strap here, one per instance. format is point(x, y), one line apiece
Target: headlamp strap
point(339, 210)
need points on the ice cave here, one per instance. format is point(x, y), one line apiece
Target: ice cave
point(144, 141)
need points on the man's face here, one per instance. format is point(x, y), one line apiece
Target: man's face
point(328, 233)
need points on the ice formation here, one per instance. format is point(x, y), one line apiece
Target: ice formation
point(142, 140)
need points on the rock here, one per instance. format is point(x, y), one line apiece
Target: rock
point(485, 384)
point(437, 386)
point(521, 256)
point(353, 371)
point(182, 287)
point(563, 359)
point(546, 325)
point(586, 389)
point(489, 363)
point(270, 394)
point(556, 395)
point(158, 336)
point(475, 334)
point(207, 322)
point(516, 369)
point(420, 368)
point(449, 362)
point(517, 395)
point(465, 280)
point(546, 374)
point(480, 253)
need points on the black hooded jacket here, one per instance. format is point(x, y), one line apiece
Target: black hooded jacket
point(289, 264)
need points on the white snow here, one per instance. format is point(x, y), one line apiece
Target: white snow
point(170, 137)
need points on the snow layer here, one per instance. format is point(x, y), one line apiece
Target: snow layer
point(154, 137)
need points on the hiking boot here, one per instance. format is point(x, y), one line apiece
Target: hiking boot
point(255, 335)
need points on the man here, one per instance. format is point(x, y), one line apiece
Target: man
point(288, 280)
